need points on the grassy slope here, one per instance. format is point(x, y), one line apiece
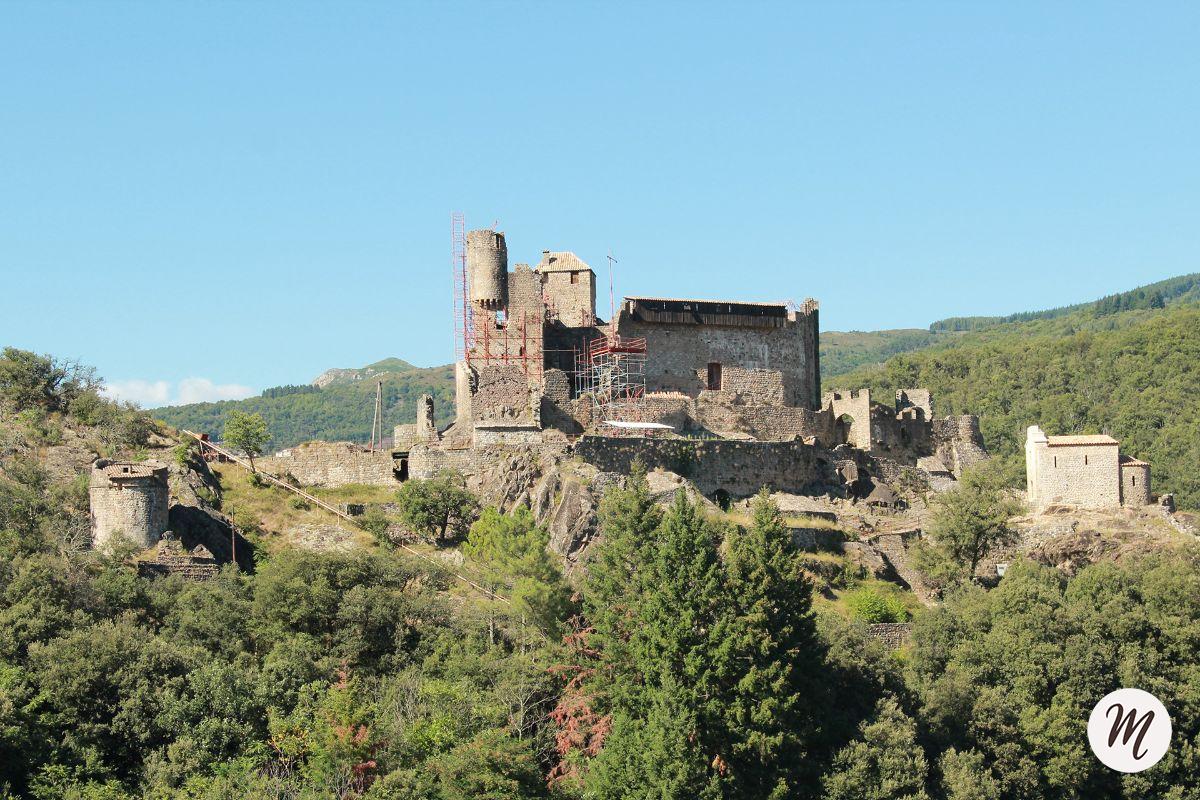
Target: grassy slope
point(340, 412)
point(1134, 374)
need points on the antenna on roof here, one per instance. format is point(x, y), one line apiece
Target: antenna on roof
point(612, 302)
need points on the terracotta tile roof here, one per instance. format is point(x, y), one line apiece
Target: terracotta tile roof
point(561, 261)
point(1130, 461)
point(1076, 441)
point(123, 470)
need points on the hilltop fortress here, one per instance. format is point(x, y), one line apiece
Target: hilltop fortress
point(724, 392)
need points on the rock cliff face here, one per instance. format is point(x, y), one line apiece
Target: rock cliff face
point(563, 495)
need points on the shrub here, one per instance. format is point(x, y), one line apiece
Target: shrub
point(870, 605)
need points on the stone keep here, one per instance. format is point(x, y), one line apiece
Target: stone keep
point(128, 501)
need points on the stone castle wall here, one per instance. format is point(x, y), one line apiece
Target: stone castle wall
point(958, 442)
point(852, 417)
point(766, 365)
point(573, 303)
point(893, 635)
point(331, 464)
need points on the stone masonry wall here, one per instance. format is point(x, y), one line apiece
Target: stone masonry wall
point(332, 464)
point(771, 364)
point(134, 509)
point(1087, 476)
point(856, 407)
point(1135, 485)
point(574, 303)
point(893, 635)
point(502, 395)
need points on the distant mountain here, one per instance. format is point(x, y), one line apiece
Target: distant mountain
point(337, 406)
point(335, 376)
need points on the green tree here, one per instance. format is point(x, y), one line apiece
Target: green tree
point(968, 522)
point(510, 552)
point(30, 381)
point(771, 660)
point(248, 433)
point(440, 507)
point(713, 659)
point(884, 763)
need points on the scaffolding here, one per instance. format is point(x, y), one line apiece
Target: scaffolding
point(463, 317)
point(612, 372)
point(509, 338)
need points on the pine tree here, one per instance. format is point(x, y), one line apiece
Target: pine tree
point(770, 656)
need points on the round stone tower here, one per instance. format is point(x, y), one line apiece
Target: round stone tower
point(128, 501)
point(487, 266)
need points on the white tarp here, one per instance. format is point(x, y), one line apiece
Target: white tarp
point(641, 426)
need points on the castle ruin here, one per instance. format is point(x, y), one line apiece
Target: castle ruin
point(730, 387)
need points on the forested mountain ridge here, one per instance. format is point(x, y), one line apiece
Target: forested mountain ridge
point(1182, 290)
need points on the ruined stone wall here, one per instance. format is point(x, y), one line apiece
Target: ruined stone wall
point(1135, 484)
point(907, 437)
point(852, 417)
point(134, 508)
point(767, 365)
point(738, 467)
point(502, 394)
point(766, 423)
point(958, 442)
point(676, 410)
point(425, 461)
point(331, 464)
point(893, 635)
point(918, 399)
point(170, 558)
point(423, 430)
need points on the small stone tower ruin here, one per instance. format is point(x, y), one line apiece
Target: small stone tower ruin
point(128, 501)
point(487, 266)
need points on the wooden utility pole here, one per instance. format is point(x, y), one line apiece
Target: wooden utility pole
point(612, 301)
point(377, 423)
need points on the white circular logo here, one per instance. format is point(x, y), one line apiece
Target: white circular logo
point(1129, 730)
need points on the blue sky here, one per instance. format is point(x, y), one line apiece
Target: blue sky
point(208, 199)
